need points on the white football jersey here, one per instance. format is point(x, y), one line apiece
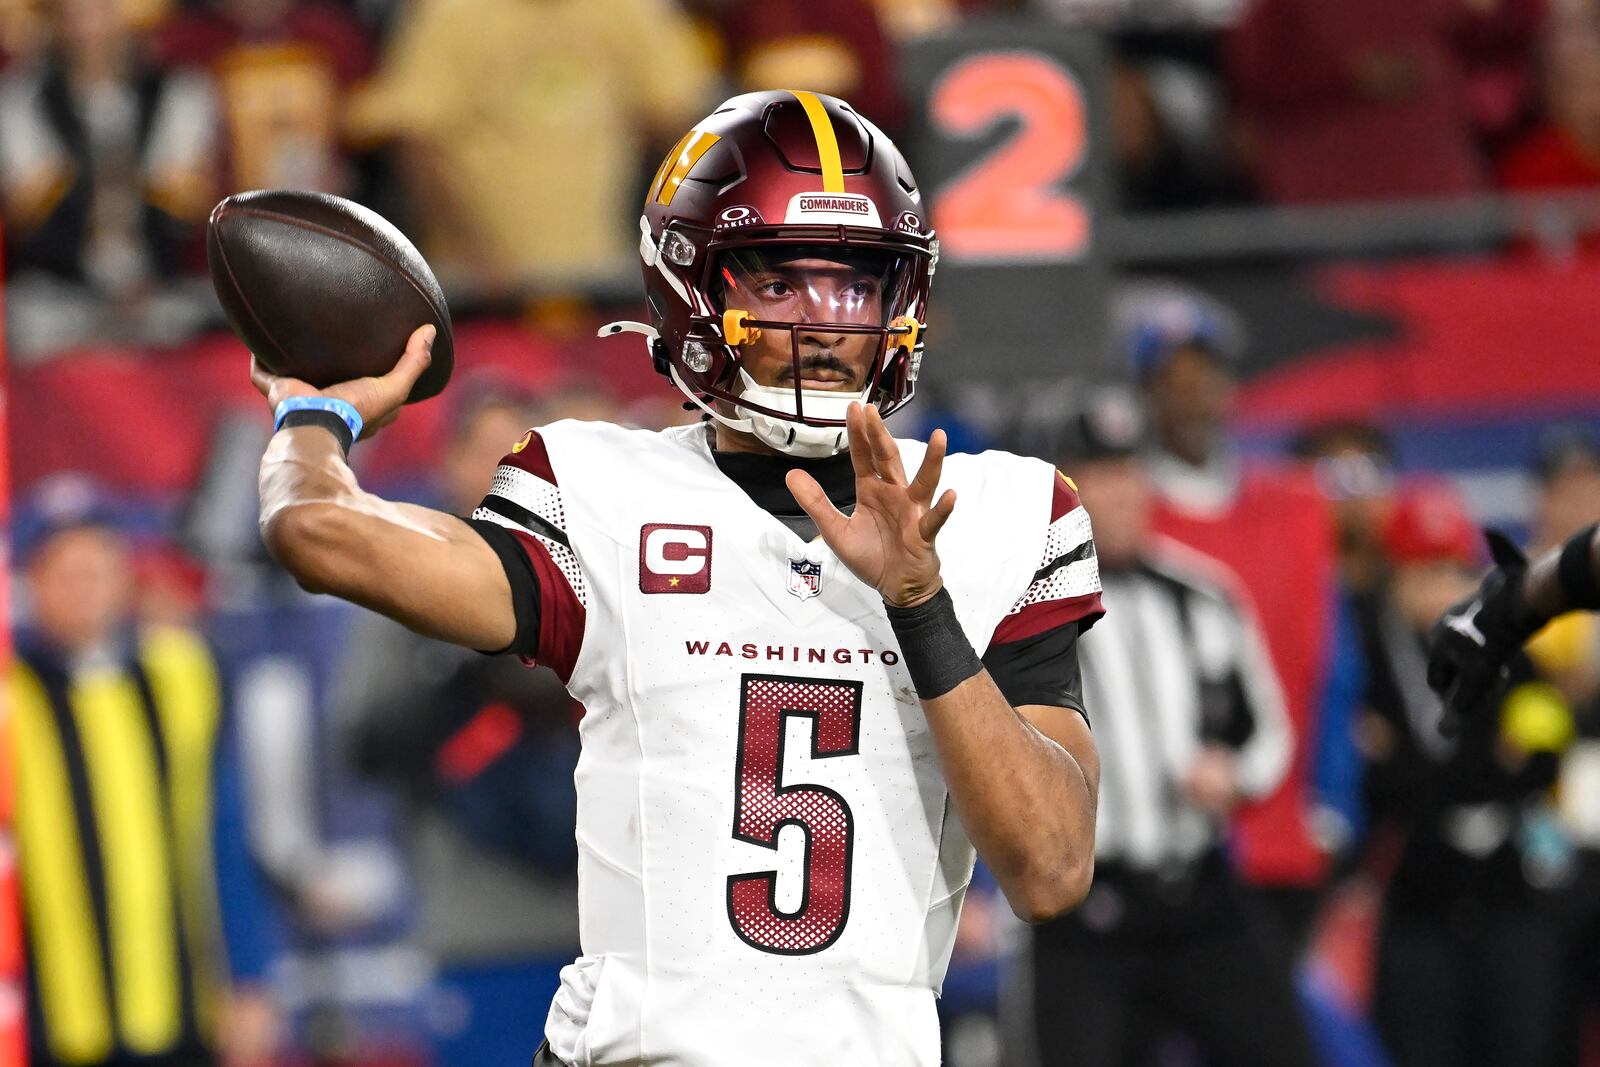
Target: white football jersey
point(770, 871)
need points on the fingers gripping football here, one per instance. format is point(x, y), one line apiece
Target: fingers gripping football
point(888, 541)
point(378, 398)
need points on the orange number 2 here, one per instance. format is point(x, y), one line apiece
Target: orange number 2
point(1010, 204)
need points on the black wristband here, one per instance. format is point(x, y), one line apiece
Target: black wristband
point(1575, 572)
point(325, 419)
point(937, 654)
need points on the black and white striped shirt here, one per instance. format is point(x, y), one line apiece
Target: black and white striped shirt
point(1176, 663)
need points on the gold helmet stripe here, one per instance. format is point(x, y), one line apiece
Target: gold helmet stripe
point(679, 162)
point(827, 141)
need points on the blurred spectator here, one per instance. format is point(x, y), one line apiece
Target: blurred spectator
point(528, 170)
point(1190, 720)
point(169, 587)
point(107, 169)
point(116, 731)
point(22, 31)
point(1271, 527)
point(484, 750)
point(829, 46)
point(1353, 463)
point(1167, 129)
point(1563, 152)
point(1568, 650)
point(1496, 45)
point(1352, 101)
point(1471, 963)
point(1150, 14)
point(1566, 654)
point(908, 20)
point(282, 68)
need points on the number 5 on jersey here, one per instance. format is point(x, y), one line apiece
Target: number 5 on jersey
point(763, 805)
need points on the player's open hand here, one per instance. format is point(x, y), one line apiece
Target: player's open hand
point(378, 399)
point(888, 541)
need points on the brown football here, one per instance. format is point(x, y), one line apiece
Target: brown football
point(323, 289)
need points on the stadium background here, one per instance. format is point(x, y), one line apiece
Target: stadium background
point(1390, 214)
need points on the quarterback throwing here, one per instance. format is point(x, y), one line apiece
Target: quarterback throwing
point(821, 667)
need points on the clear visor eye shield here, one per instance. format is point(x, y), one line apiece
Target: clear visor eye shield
point(838, 314)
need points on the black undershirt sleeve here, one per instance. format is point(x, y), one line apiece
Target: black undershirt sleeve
point(1042, 669)
point(524, 587)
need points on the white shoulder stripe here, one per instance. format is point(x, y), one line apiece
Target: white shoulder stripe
point(560, 554)
point(532, 492)
point(1080, 577)
point(1065, 534)
point(1075, 579)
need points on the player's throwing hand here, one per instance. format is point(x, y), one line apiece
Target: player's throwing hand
point(887, 541)
point(377, 399)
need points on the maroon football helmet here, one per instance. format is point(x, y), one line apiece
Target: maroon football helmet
point(771, 177)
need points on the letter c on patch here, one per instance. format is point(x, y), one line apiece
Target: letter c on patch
point(674, 559)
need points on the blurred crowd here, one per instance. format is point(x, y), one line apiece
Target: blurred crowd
point(123, 121)
point(355, 845)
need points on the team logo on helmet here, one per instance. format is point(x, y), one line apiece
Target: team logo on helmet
point(852, 209)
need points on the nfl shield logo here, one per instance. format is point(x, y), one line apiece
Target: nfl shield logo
point(805, 578)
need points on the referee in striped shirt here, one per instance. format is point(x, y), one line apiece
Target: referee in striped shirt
point(1190, 721)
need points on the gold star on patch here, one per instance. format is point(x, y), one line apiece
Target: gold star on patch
point(674, 582)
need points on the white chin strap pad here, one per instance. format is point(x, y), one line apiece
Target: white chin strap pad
point(790, 436)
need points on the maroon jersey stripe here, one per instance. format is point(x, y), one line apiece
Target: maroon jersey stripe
point(1047, 615)
point(562, 615)
point(530, 455)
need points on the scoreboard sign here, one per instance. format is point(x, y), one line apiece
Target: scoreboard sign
point(1007, 141)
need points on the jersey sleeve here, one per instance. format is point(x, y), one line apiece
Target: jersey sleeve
point(1042, 669)
point(1066, 586)
point(524, 521)
point(1033, 654)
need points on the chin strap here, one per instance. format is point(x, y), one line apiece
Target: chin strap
point(742, 425)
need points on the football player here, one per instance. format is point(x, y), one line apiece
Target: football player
point(1472, 642)
point(813, 681)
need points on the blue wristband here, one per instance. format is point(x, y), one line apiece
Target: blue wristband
point(341, 408)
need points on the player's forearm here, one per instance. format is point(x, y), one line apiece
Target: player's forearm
point(307, 494)
point(1026, 802)
point(425, 569)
